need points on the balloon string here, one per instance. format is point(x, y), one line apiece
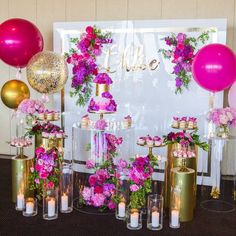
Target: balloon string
point(211, 101)
point(18, 74)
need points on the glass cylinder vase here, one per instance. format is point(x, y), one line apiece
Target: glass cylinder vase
point(134, 219)
point(155, 212)
point(222, 131)
point(31, 207)
point(121, 205)
point(66, 188)
point(50, 204)
point(175, 208)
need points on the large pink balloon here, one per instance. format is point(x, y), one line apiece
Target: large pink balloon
point(214, 67)
point(19, 41)
point(232, 96)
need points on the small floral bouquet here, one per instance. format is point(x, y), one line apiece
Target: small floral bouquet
point(31, 106)
point(83, 60)
point(40, 127)
point(223, 118)
point(46, 172)
point(181, 54)
point(100, 192)
point(185, 139)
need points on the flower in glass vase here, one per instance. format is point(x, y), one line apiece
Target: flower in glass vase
point(223, 119)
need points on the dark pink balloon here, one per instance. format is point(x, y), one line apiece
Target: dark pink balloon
point(214, 67)
point(19, 41)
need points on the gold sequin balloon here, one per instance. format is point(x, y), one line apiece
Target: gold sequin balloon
point(47, 72)
point(14, 92)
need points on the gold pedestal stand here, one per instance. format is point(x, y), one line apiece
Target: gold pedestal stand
point(184, 178)
point(173, 162)
point(21, 165)
point(49, 143)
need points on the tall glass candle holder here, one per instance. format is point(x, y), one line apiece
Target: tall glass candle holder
point(31, 207)
point(66, 188)
point(155, 212)
point(121, 206)
point(134, 219)
point(20, 201)
point(175, 208)
point(50, 204)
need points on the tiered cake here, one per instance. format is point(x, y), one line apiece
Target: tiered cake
point(103, 102)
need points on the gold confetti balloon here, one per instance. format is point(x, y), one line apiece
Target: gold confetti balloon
point(47, 72)
point(14, 92)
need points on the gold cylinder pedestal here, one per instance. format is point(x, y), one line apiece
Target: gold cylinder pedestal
point(101, 88)
point(38, 140)
point(185, 180)
point(20, 175)
point(48, 143)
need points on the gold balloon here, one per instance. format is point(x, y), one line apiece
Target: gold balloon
point(47, 72)
point(14, 92)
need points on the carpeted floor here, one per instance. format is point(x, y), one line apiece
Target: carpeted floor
point(76, 223)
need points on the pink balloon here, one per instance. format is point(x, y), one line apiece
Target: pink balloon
point(19, 41)
point(232, 96)
point(214, 67)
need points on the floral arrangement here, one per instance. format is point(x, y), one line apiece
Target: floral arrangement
point(182, 52)
point(103, 78)
point(104, 103)
point(150, 141)
point(31, 106)
point(112, 143)
point(222, 116)
point(101, 124)
point(46, 172)
point(83, 60)
point(101, 190)
point(185, 139)
point(39, 127)
point(139, 174)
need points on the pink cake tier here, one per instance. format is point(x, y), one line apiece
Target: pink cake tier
point(103, 102)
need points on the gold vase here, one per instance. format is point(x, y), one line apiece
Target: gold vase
point(20, 175)
point(185, 180)
point(101, 88)
point(173, 162)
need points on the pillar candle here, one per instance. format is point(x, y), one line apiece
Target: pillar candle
point(175, 218)
point(134, 219)
point(155, 219)
point(51, 207)
point(64, 202)
point(20, 201)
point(121, 209)
point(29, 208)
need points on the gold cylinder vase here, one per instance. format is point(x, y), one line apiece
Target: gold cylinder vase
point(38, 140)
point(172, 162)
point(185, 180)
point(101, 88)
point(20, 175)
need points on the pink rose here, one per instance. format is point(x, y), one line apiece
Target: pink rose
point(134, 187)
point(50, 184)
point(89, 29)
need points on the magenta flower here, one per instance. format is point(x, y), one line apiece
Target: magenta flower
point(90, 164)
point(134, 187)
point(103, 78)
point(101, 124)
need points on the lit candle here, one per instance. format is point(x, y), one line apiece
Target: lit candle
point(155, 219)
point(134, 219)
point(175, 218)
point(51, 207)
point(64, 202)
point(20, 201)
point(29, 208)
point(121, 209)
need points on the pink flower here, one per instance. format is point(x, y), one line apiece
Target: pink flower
point(111, 205)
point(36, 181)
point(98, 199)
point(98, 189)
point(50, 184)
point(92, 180)
point(87, 193)
point(39, 150)
point(90, 164)
point(134, 187)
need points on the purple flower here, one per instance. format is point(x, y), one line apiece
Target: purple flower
point(181, 37)
point(103, 78)
point(178, 82)
point(107, 95)
point(177, 68)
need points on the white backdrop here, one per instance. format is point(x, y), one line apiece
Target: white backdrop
point(147, 95)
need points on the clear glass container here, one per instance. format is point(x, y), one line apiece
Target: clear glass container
point(155, 212)
point(50, 204)
point(30, 207)
point(122, 205)
point(66, 188)
point(134, 219)
point(175, 208)
point(20, 201)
